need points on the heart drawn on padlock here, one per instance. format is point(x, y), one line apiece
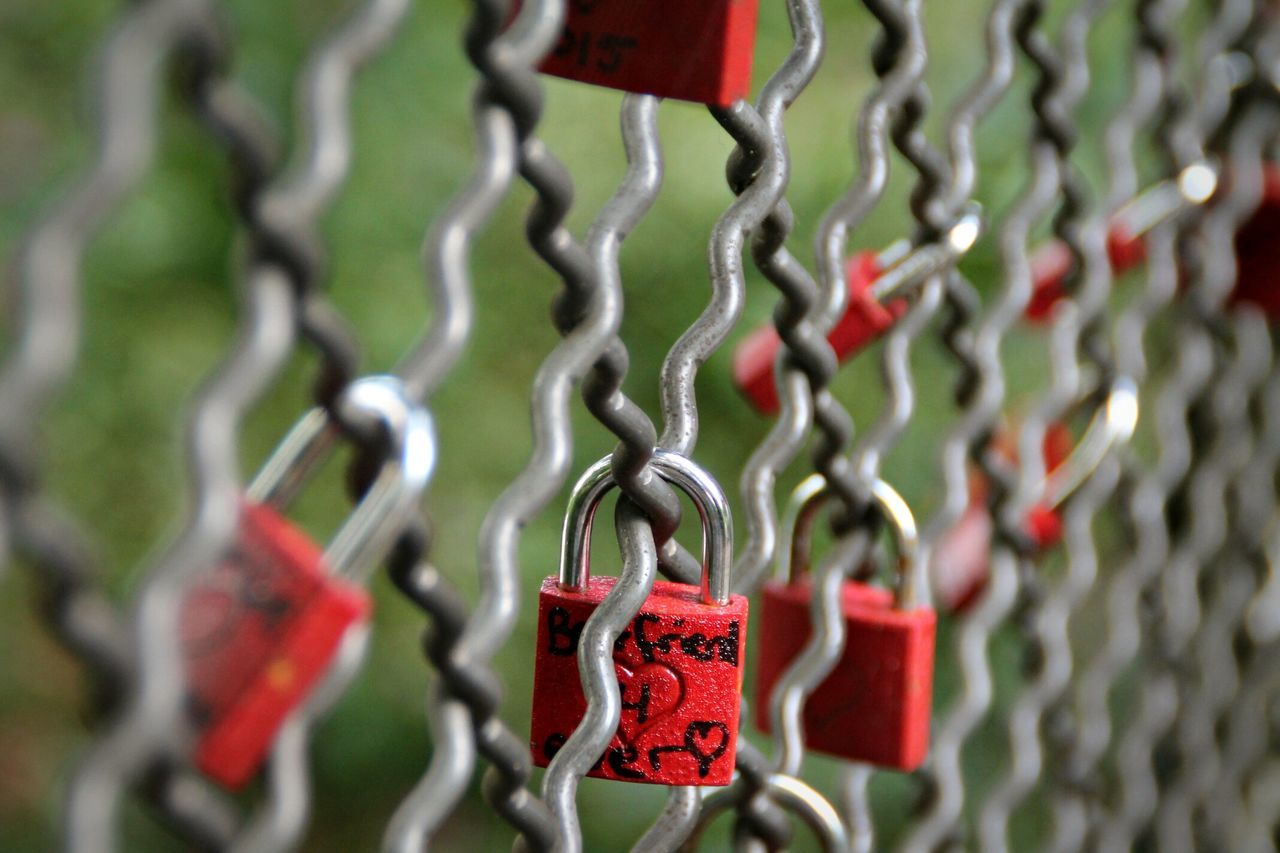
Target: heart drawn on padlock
point(654, 691)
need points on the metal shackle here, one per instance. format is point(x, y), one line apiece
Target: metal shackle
point(802, 511)
point(376, 403)
point(1112, 424)
point(681, 472)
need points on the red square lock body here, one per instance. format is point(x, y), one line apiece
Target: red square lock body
point(874, 706)
point(679, 666)
point(693, 50)
point(256, 635)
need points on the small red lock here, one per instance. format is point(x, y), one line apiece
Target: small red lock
point(869, 313)
point(260, 631)
point(691, 50)
point(874, 705)
point(679, 663)
point(1126, 236)
point(959, 566)
point(863, 322)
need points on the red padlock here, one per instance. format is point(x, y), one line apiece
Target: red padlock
point(864, 321)
point(873, 281)
point(959, 566)
point(1126, 236)
point(679, 663)
point(691, 50)
point(260, 630)
point(1258, 250)
point(874, 706)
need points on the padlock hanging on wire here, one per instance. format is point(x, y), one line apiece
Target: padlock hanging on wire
point(960, 562)
point(262, 628)
point(1052, 263)
point(1257, 242)
point(690, 50)
point(874, 706)
point(679, 662)
point(878, 284)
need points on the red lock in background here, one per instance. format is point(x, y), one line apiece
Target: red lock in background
point(874, 706)
point(679, 662)
point(262, 629)
point(691, 50)
point(863, 321)
point(960, 561)
point(876, 284)
point(257, 634)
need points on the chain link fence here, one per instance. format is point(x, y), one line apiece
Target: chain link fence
point(1051, 407)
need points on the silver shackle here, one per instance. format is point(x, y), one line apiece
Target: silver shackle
point(684, 474)
point(802, 511)
point(377, 403)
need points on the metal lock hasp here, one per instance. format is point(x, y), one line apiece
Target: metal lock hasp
point(679, 663)
point(874, 706)
point(263, 627)
point(691, 50)
point(960, 566)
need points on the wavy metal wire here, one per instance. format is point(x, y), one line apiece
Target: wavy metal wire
point(1209, 258)
point(1089, 736)
point(1244, 745)
point(1225, 459)
point(149, 38)
point(1080, 368)
point(943, 810)
point(147, 730)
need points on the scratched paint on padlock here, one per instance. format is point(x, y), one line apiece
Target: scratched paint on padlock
point(693, 50)
point(874, 706)
point(256, 635)
point(679, 668)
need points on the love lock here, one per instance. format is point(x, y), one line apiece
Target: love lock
point(691, 50)
point(874, 705)
point(679, 665)
point(263, 627)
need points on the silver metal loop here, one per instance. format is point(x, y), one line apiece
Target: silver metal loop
point(1112, 424)
point(905, 268)
point(680, 471)
point(802, 511)
point(375, 402)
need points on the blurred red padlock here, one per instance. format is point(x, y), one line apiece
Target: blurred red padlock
point(874, 705)
point(1258, 250)
point(261, 629)
point(959, 566)
point(691, 50)
point(679, 664)
point(1257, 243)
point(874, 280)
point(864, 320)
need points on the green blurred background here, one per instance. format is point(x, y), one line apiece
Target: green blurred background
point(160, 306)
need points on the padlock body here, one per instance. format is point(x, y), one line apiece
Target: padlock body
point(257, 634)
point(874, 706)
point(679, 665)
point(691, 50)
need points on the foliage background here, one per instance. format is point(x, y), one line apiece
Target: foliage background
point(161, 300)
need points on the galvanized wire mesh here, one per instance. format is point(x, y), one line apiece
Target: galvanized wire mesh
point(1142, 712)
